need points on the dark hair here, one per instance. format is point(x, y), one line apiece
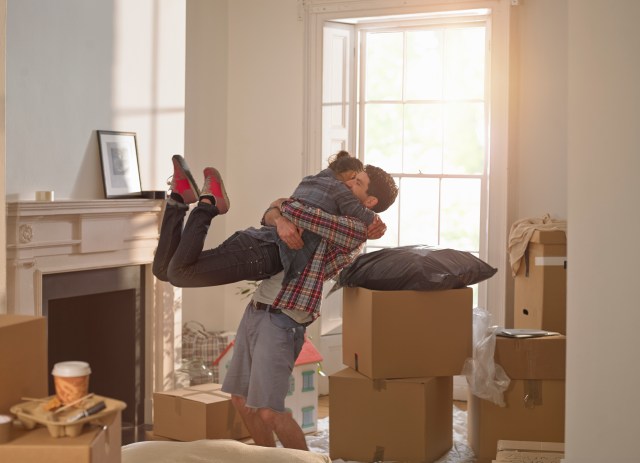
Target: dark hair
point(343, 161)
point(382, 186)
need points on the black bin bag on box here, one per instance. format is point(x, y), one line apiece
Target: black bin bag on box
point(417, 267)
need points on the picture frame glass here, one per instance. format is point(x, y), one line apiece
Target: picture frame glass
point(119, 162)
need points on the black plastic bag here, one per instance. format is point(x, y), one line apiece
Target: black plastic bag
point(417, 267)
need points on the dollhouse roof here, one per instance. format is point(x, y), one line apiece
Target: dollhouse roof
point(308, 354)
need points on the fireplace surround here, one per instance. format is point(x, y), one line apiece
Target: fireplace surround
point(97, 241)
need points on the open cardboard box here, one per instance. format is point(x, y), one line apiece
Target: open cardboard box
point(96, 444)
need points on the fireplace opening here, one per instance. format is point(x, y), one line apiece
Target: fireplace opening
point(97, 316)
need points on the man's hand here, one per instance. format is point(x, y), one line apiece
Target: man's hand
point(287, 231)
point(376, 229)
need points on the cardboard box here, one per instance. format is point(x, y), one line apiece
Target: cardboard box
point(23, 359)
point(197, 412)
point(529, 452)
point(406, 334)
point(540, 291)
point(96, 444)
point(532, 358)
point(407, 420)
point(535, 398)
point(540, 418)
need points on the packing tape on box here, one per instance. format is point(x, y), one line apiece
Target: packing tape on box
point(217, 393)
point(378, 455)
point(379, 385)
point(551, 261)
point(532, 393)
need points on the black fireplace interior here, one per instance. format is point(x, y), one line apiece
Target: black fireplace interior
point(97, 316)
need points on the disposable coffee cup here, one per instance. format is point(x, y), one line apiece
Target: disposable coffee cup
point(5, 428)
point(71, 380)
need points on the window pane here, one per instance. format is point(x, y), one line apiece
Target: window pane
point(424, 65)
point(419, 211)
point(464, 138)
point(292, 385)
point(383, 136)
point(464, 58)
point(384, 66)
point(460, 217)
point(423, 139)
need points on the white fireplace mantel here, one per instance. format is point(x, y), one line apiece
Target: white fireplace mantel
point(66, 236)
point(69, 236)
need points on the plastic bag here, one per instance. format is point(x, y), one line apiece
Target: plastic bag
point(486, 379)
point(415, 267)
point(202, 348)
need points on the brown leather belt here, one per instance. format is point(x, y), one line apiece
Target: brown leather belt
point(262, 306)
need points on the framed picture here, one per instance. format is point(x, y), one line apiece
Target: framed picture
point(119, 161)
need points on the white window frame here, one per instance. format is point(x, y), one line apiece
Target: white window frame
point(492, 293)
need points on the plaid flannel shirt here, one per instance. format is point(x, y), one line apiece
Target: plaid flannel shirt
point(343, 239)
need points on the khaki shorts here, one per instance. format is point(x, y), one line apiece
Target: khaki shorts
point(266, 347)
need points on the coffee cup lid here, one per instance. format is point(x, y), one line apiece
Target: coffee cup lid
point(71, 369)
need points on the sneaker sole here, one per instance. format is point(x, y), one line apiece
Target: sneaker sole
point(192, 183)
point(225, 198)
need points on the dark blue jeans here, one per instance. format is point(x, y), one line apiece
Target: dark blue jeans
point(180, 258)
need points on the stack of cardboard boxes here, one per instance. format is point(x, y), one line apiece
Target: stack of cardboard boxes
point(402, 348)
point(23, 374)
point(535, 399)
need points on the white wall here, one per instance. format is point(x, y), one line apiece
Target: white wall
point(538, 121)
point(262, 160)
point(77, 66)
point(206, 132)
point(603, 377)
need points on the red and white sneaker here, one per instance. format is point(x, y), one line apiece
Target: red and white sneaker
point(213, 186)
point(182, 182)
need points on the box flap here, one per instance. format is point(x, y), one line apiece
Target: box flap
point(13, 319)
point(203, 393)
